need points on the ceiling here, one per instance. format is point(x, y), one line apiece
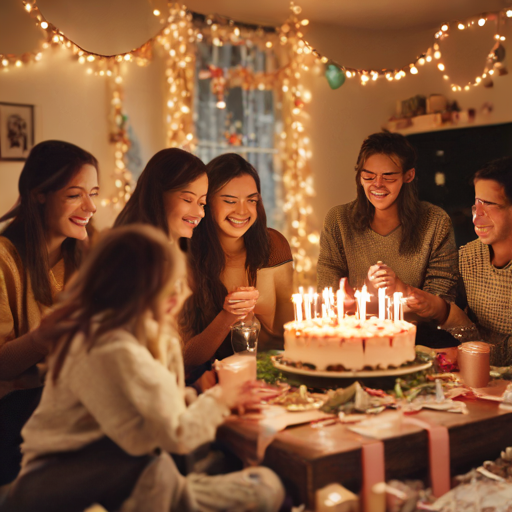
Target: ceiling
point(363, 14)
point(116, 26)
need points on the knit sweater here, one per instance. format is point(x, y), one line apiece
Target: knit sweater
point(118, 389)
point(345, 252)
point(488, 292)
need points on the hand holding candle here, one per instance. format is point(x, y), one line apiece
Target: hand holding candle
point(382, 276)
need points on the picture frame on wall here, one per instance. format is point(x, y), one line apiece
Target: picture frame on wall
point(16, 130)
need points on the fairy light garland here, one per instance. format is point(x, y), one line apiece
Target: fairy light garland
point(295, 150)
point(432, 55)
point(496, 55)
point(178, 41)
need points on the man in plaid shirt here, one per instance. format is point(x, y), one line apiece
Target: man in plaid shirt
point(485, 264)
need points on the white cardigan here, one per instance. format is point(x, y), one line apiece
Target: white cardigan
point(119, 390)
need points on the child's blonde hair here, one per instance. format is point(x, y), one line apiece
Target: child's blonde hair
point(124, 279)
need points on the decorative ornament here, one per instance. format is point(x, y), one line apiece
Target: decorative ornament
point(498, 53)
point(335, 76)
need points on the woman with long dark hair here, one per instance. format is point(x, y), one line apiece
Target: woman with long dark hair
point(387, 237)
point(39, 250)
point(238, 267)
point(114, 403)
point(170, 194)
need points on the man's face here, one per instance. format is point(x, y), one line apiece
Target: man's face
point(492, 213)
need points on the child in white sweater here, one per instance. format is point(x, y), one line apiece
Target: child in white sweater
point(114, 400)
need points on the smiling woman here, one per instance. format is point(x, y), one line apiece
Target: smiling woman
point(39, 250)
point(387, 238)
point(239, 268)
point(170, 194)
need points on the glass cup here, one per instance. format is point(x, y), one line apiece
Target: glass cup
point(244, 335)
point(241, 366)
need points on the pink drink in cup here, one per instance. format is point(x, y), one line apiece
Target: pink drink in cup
point(237, 369)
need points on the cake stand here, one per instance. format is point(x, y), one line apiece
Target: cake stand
point(322, 379)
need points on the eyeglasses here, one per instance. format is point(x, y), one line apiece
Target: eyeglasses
point(488, 208)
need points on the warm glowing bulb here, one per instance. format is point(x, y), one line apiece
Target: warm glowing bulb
point(5, 62)
point(268, 44)
point(446, 77)
point(444, 28)
point(324, 60)
point(398, 76)
point(414, 70)
point(156, 12)
point(478, 79)
point(44, 25)
point(481, 22)
point(466, 88)
point(421, 61)
point(491, 72)
point(19, 64)
point(128, 57)
point(55, 39)
point(118, 80)
point(185, 109)
point(509, 13)
point(440, 66)
point(190, 136)
point(461, 26)
point(364, 78)
point(428, 58)
point(497, 36)
point(437, 54)
point(28, 7)
point(349, 74)
point(81, 59)
point(454, 88)
point(304, 22)
point(502, 38)
point(221, 104)
point(90, 58)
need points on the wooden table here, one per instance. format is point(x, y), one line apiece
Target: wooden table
point(309, 458)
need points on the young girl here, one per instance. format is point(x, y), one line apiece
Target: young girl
point(170, 194)
point(115, 397)
point(387, 237)
point(39, 250)
point(238, 266)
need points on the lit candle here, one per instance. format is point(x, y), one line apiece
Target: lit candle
point(308, 297)
point(340, 304)
point(382, 303)
point(325, 297)
point(315, 302)
point(362, 297)
point(388, 307)
point(325, 316)
point(331, 303)
point(297, 301)
point(396, 305)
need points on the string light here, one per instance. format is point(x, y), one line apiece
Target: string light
point(179, 43)
point(296, 152)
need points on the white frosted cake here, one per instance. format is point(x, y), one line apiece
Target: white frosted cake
point(351, 345)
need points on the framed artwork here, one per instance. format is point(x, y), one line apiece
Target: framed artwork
point(16, 131)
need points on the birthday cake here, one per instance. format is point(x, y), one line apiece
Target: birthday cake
point(349, 344)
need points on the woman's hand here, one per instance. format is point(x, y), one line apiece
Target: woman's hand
point(428, 306)
point(52, 327)
point(242, 301)
point(382, 276)
point(241, 397)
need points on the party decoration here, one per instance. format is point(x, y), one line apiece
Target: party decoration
point(335, 76)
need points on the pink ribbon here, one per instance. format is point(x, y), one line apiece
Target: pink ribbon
point(372, 459)
point(439, 455)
